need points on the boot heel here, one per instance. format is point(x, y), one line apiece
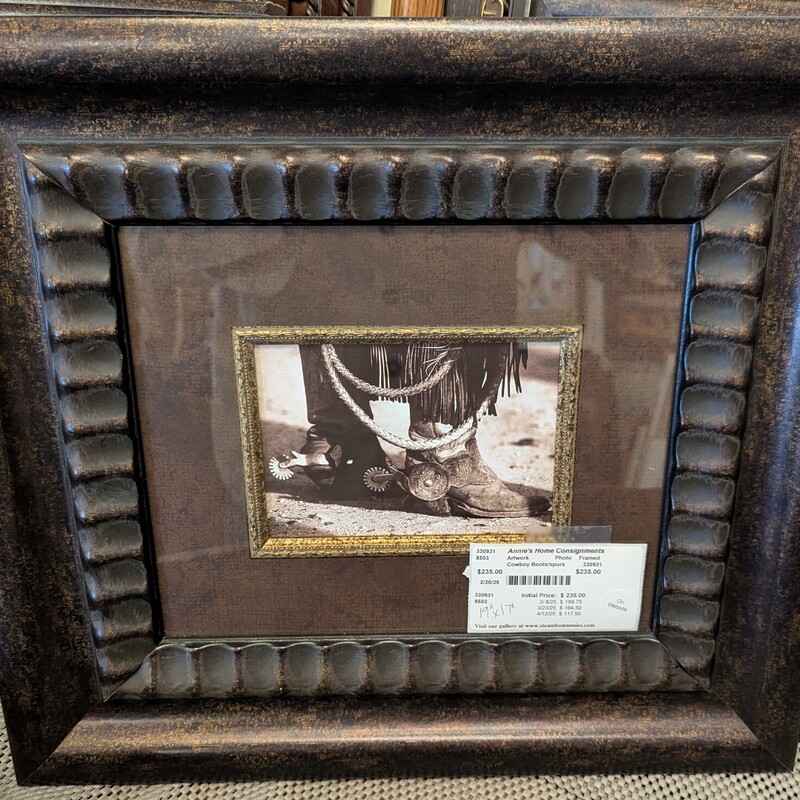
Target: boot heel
point(435, 508)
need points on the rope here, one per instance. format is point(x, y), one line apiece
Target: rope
point(461, 432)
point(389, 394)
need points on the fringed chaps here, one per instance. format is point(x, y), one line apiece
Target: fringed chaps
point(462, 390)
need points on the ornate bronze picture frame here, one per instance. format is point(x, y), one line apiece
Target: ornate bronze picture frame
point(142, 195)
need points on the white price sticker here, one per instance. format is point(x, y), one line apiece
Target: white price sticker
point(555, 587)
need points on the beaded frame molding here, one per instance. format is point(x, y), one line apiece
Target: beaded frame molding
point(79, 193)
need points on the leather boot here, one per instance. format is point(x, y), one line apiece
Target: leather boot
point(475, 490)
point(350, 454)
point(350, 448)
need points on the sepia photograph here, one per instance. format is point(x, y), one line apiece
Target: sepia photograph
point(426, 436)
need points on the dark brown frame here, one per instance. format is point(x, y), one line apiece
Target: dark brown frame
point(76, 609)
point(72, 188)
point(240, 8)
point(628, 9)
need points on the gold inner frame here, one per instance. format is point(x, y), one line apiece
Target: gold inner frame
point(245, 340)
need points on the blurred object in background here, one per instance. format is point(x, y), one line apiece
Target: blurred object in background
point(417, 8)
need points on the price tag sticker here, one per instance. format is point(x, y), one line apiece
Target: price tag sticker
point(517, 588)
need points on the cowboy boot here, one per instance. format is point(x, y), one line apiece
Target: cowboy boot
point(349, 454)
point(349, 448)
point(474, 490)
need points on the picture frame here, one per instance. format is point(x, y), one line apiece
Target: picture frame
point(263, 544)
point(171, 131)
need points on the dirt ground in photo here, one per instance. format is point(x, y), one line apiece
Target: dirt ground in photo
point(518, 444)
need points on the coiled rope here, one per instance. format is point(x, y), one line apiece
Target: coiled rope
point(330, 359)
point(389, 394)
